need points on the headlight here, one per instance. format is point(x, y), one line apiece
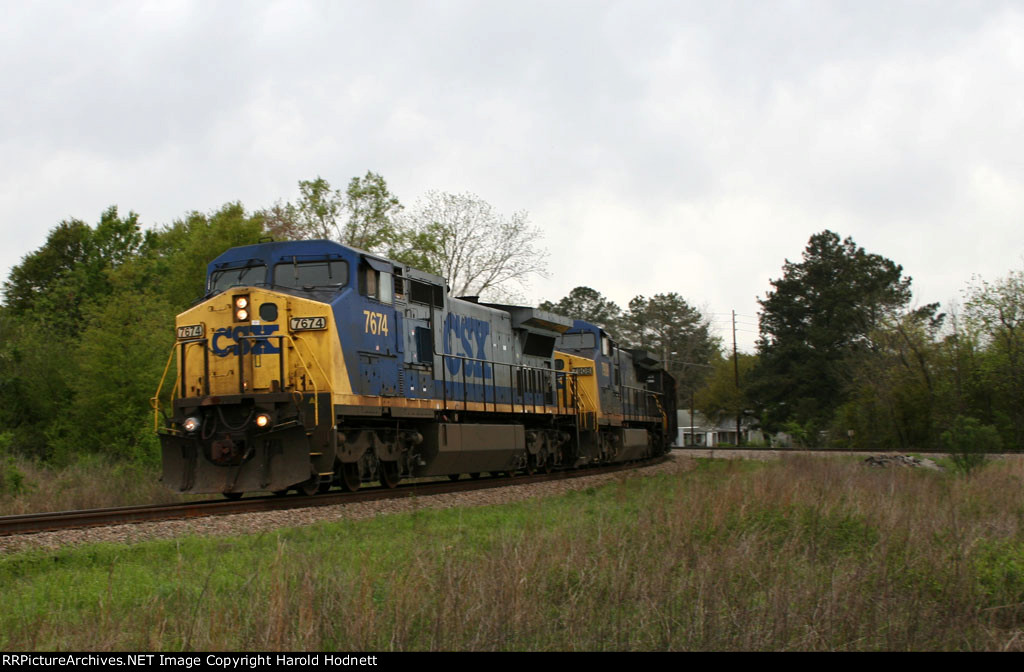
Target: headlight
point(262, 420)
point(241, 307)
point(191, 424)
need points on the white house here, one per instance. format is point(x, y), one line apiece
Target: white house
point(702, 432)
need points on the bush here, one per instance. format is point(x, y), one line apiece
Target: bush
point(12, 479)
point(969, 442)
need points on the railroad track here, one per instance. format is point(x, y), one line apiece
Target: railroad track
point(68, 520)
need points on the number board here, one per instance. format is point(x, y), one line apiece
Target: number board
point(191, 331)
point(583, 370)
point(307, 323)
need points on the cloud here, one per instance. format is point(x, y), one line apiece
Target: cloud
point(687, 147)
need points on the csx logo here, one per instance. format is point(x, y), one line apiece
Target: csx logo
point(471, 332)
point(222, 347)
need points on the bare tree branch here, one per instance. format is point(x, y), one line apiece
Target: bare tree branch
point(480, 252)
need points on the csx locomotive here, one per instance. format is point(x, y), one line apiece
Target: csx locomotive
point(309, 365)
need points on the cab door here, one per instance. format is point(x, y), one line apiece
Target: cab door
point(379, 330)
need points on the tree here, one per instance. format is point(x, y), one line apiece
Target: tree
point(898, 393)
point(41, 271)
point(34, 366)
point(479, 251)
point(372, 214)
point(365, 216)
point(672, 329)
point(187, 245)
point(89, 325)
point(995, 314)
point(821, 311)
point(109, 410)
point(721, 397)
point(49, 297)
point(57, 281)
point(584, 303)
point(315, 216)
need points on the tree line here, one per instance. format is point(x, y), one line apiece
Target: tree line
point(843, 357)
point(846, 359)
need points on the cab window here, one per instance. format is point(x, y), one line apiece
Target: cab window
point(312, 274)
point(582, 341)
point(237, 277)
point(377, 285)
point(385, 288)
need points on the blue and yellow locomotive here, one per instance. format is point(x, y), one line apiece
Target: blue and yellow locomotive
point(310, 364)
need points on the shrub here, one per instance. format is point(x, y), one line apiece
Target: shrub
point(12, 479)
point(969, 442)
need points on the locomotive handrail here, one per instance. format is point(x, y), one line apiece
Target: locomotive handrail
point(294, 343)
point(155, 400)
point(316, 391)
point(664, 415)
point(576, 388)
point(513, 368)
point(640, 410)
point(584, 394)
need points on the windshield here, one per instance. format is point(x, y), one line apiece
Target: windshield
point(584, 341)
point(310, 274)
point(234, 277)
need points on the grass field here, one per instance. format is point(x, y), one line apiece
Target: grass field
point(92, 482)
point(801, 554)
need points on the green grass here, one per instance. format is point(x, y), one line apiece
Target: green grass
point(800, 554)
point(91, 482)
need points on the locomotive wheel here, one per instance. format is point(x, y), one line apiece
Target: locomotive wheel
point(310, 487)
point(233, 495)
point(389, 476)
point(349, 473)
point(280, 493)
point(454, 477)
point(475, 475)
point(324, 487)
point(548, 464)
point(531, 465)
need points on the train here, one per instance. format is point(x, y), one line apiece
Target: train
point(309, 365)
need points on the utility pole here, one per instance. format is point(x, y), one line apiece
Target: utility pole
point(693, 423)
point(736, 372)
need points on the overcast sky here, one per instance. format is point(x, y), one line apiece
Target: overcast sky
point(661, 146)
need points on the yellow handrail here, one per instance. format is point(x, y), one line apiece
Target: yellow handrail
point(584, 395)
point(664, 415)
point(316, 395)
point(155, 401)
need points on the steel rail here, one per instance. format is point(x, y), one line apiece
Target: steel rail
point(68, 520)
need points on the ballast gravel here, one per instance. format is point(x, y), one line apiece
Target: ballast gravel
point(264, 521)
